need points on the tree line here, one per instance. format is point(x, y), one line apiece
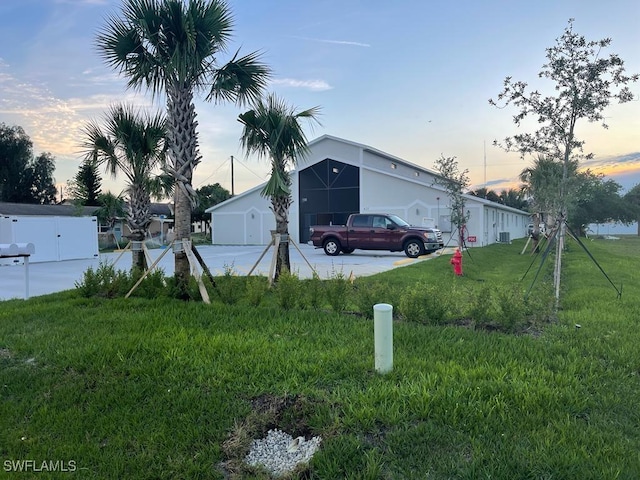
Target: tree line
point(594, 198)
point(24, 177)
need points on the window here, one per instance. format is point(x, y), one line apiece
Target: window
point(361, 221)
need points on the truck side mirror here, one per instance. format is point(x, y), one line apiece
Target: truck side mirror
point(391, 226)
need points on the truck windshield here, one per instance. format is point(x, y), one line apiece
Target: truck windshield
point(398, 221)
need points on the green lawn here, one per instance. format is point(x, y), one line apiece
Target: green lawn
point(162, 388)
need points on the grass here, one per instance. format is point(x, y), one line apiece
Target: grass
point(160, 388)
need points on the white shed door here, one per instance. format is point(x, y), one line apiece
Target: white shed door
point(77, 237)
point(42, 232)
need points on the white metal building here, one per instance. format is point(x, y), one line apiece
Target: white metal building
point(340, 177)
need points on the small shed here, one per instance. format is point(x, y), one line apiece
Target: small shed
point(58, 232)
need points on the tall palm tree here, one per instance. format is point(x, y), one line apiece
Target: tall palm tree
point(171, 47)
point(133, 144)
point(272, 129)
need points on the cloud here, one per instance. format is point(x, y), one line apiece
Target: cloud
point(314, 85)
point(336, 42)
point(54, 124)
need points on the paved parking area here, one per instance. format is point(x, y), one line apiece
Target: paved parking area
point(50, 277)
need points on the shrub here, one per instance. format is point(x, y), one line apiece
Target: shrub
point(230, 287)
point(338, 289)
point(425, 303)
point(190, 292)
point(481, 311)
point(368, 294)
point(288, 290)
point(510, 312)
point(152, 286)
point(256, 288)
point(106, 281)
point(313, 289)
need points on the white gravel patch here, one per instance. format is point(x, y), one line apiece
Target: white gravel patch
point(280, 453)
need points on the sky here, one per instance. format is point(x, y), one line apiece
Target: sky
point(412, 78)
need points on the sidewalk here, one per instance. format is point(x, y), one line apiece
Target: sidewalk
point(51, 277)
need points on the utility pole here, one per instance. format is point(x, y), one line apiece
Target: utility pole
point(232, 189)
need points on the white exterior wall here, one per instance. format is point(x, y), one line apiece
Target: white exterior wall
point(55, 238)
point(243, 220)
point(332, 148)
point(406, 198)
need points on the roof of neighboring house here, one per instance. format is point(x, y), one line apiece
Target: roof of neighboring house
point(39, 210)
point(157, 209)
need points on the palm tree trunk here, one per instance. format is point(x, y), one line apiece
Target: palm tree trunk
point(139, 219)
point(280, 205)
point(183, 152)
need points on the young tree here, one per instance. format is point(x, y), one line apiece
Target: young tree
point(133, 144)
point(454, 182)
point(173, 47)
point(85, 188)
point(585, 83)
point(272, 129)
point(208, 196)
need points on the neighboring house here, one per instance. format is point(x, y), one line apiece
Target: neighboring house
point(339, 177)
point(160, 229)
point(59, 232)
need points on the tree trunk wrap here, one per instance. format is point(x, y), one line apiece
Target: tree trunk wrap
point(183, 152)
point(280, 205)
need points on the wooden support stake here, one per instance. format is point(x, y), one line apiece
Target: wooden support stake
point(204, 266)
point(272, 269)
point(148, 271)
point(261, 257)
point(526, 245)
point(193, 262)
point(126, 248)
point(302, 255)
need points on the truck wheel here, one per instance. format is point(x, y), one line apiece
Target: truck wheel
point(348, 250)
point(414, 248)
point(332, 247)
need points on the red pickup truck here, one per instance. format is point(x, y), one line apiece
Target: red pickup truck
point(376, 231)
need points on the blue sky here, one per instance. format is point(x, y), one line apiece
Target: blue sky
point(411, 78)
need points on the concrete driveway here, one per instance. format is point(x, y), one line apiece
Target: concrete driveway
point(50, 277)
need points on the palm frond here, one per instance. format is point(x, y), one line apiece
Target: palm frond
point(241, 80)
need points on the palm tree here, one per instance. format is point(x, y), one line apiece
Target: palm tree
point(111, 208)
point(172, 47)
point(132, 144)
point(543, 186)
point(272, 129)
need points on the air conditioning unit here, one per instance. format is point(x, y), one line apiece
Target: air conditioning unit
point(505, 237)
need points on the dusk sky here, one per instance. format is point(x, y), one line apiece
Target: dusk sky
point(410, 78)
